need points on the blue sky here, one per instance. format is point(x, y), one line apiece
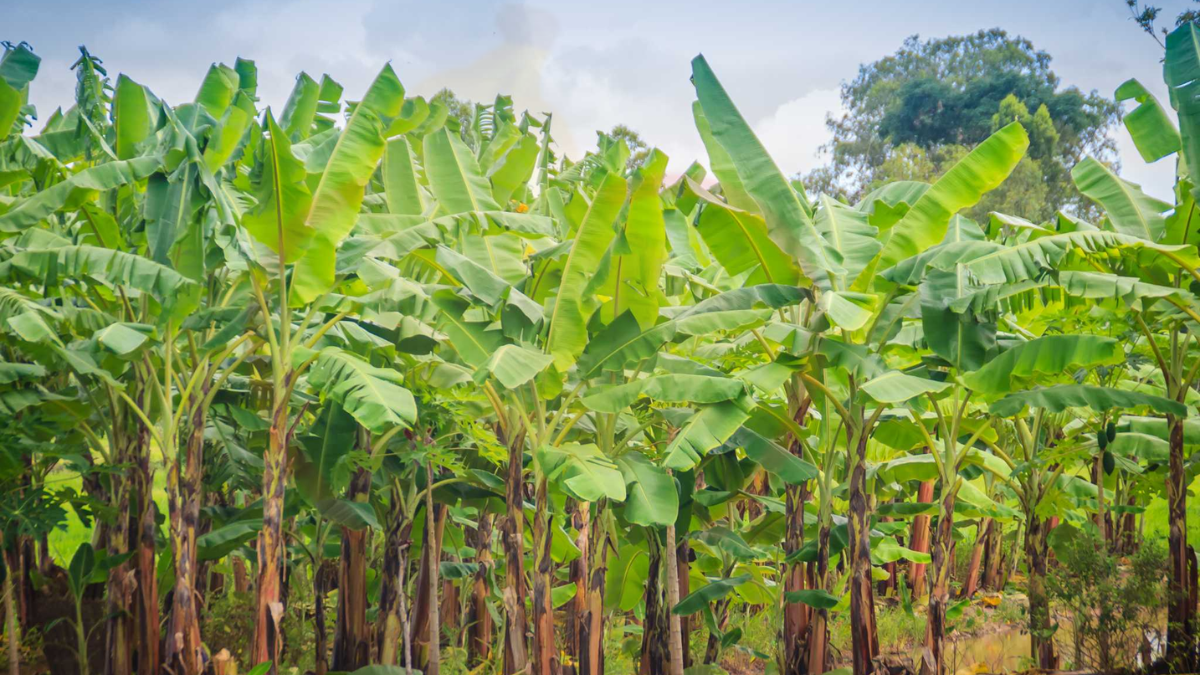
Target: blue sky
point(593, 64)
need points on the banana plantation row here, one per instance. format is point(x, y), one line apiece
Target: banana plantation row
point(426, 362)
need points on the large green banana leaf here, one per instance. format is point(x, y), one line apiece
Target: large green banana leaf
point(1181, 71)
point(339, 192)
point(454, 175)
point(1028, 260)
point(583, 472)
point(327, 447)
point(1153, 133)
point(1048, 356)
point(981, 171)
point(774, 458)
point(740, 242)
point(1059, 398)
point(401, 185)
point(671, 388)
point(116, 268)
point(514, 365)
point(621, 344)
point(131, 117)
point(788, 222)
point(512, 171)
point(651, 496)
point(637, 253)
point(75, 189)
point(374, 396)
point(567, 335)
point(964, 339)
point(473, 341)
point(849, 232)
point(700, 598)
point(898, 387)
point(1130, 210)
point(706, 428)
point(279, 219)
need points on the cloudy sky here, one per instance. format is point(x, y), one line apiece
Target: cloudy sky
point(594, 64)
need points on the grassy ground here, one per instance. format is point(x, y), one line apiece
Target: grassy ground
point(64, 541)
point(899, 634)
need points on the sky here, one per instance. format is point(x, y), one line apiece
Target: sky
point(593, 64)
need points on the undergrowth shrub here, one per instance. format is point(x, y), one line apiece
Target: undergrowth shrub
point(1112, 603)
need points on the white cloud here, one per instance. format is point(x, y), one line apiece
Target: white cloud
point(594, 65)
point(797, 129)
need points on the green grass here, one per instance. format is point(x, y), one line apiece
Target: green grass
point(65, 540)
point(1157, 521)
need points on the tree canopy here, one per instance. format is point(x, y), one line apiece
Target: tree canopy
point(912, 114)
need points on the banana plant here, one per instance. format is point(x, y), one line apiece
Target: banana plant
point(839, 250)
point(290, 262)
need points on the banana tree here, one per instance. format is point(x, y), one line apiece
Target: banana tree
point(838, 253)
point(1043, 447)
point(69, 170)
point(302, 227)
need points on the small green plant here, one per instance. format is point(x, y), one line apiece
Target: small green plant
point(87, 569)
point(1111, 604)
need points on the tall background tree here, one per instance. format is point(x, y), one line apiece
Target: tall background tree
point(914, 114)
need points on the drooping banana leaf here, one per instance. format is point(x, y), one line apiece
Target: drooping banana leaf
point(1059, 398)
point(1049, 356)
point(1152, 131)
point(374, 396)
point(1130, 210)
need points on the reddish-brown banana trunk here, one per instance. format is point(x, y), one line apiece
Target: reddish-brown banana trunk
point(578, 623)
point(146, 575)
point(423, 612)
point(516, 654)
point(864, 638)
point(450, 609)
point(269, 607)
point(390, 619)
point(796, 615)
point(1181, 610)
point(323, 578)
point(818, 656)
point(682, 553)
point(674, 636)
point(993, 555)
point(241, 578)
point(433, 554)
point(655, 656)
point(120, 584)
point(971, 583)
point(479, 641)
point(592, 661)
point(184, 651)
point(920, 540)
point(351, 640)
point(942, 560)
point(543, 661)
point(1041, 641)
